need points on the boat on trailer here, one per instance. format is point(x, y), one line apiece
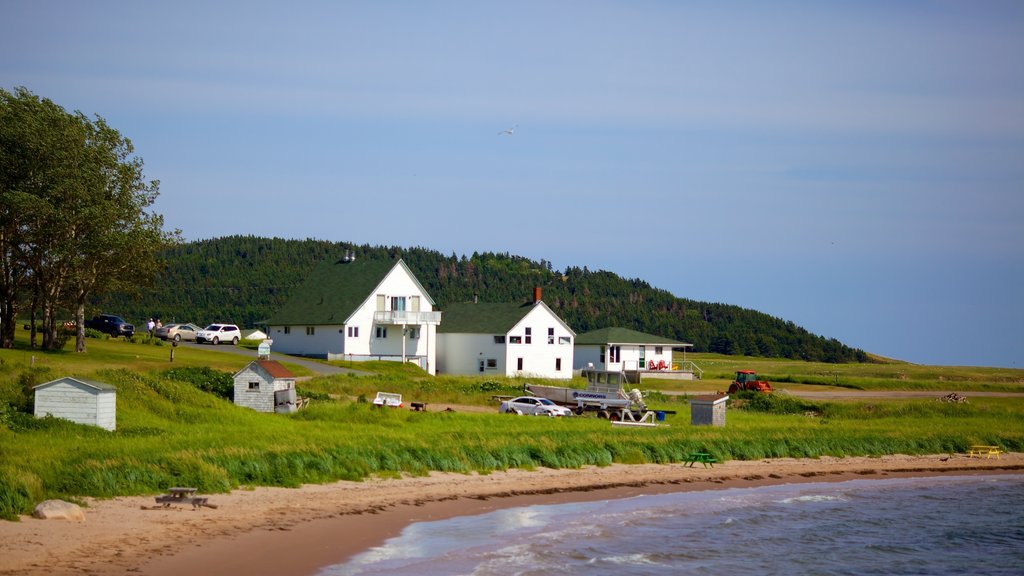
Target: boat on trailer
point(604, 394)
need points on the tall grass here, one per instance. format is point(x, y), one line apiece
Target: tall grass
point(176, 428)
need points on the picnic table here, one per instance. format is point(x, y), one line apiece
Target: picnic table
point(702, 457)
point(979, 450)
point(181, 495)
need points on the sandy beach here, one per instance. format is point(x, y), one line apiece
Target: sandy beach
point(297, 531)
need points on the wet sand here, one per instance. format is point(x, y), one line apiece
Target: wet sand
point(284, 531)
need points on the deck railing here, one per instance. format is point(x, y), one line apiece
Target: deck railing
point(405, 317)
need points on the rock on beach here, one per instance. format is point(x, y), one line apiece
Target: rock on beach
point(58, 510)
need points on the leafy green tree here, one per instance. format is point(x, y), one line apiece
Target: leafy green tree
point(79, 218)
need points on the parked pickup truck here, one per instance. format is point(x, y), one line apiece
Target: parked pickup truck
point(110, 324)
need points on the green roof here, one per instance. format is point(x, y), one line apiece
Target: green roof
point(482, 318)
point(334, 290)
point(623, 336)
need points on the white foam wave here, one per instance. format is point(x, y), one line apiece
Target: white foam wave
point(813, 498)
point(630, 560)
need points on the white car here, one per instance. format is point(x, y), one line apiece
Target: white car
point(217, 333)
point(534, 406)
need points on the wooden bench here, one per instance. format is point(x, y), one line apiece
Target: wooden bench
point(979, 450)
point(702, 457)
point(418, 406)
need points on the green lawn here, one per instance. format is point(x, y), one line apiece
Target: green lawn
point(171, 433)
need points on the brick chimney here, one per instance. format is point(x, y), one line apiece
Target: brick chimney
point(536, 294)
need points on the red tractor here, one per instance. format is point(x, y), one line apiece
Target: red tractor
point(747, 380)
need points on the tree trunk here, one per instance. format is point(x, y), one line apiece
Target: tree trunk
point(8, 309)
point(80, 325)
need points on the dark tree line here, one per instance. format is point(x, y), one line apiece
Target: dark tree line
point(244, 279)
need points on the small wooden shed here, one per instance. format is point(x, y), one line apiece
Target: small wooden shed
point(708, 410)
point(266, 386)
point(78, 400)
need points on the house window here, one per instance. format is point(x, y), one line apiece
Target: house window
point(310, 330)
point(602, 355)
point(398, 303)
point(380, 302)
point(515, 339)
point(492, 364)
point(414, 333)
point(558, 364)
point(499, 339)
point(551, 335)
point(287, 329)
point(643, 357)
point(254, 386)
point(353, 331)
point(414, 303)
point(564, 340)
point(519, 364)
point(529, 337)
point(382, 332)
point(657, 350)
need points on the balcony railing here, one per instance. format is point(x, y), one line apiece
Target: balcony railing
point(405, 317)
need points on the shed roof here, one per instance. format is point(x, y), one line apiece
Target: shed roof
point(275, 369)
point(709, 399)
point(335, 289)
point(100, 386)
point(624, 336)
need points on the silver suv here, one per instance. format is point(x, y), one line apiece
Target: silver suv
point(217, 333)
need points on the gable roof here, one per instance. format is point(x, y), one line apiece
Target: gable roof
point(623, 336)
point(488, 317)
point(272, 367)
point(100, 386)
point(335, 289)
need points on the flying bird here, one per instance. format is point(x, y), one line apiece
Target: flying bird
point(509, 131)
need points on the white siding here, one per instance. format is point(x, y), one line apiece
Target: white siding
point(77, 402)
point(463, 353)
point(325, 339)
point(587, 354)
point(539, 357)
point(629, 356)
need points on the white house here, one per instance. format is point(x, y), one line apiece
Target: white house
point(78, 400)
point(359, 309)
point(505, 339)
point(621, 349)
point(265, 386)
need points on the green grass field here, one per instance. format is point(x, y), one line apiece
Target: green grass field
point(169, 432)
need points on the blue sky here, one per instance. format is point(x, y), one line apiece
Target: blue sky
point(855, 167)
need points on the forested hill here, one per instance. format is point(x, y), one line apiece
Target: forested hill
point(244, 279)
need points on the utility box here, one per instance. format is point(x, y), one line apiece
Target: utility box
point(708, 410)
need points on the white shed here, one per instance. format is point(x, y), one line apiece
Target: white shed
point(266, 386)
point(78, 400)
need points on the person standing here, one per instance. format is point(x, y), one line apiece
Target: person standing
point(150, 326)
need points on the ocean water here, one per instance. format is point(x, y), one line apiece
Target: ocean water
point(947, 525)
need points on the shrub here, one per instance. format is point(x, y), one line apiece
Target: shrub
point(773, 403)
point(205, 379)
